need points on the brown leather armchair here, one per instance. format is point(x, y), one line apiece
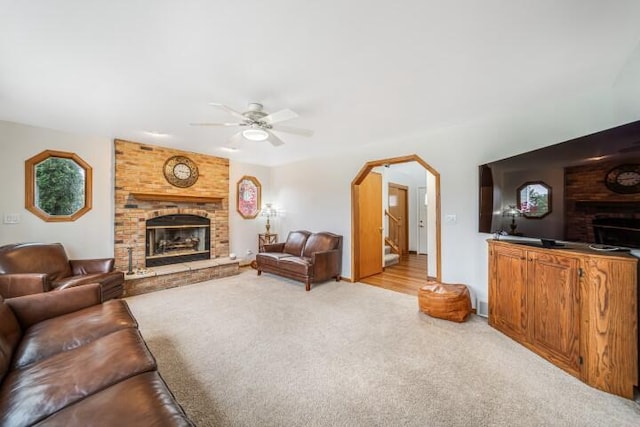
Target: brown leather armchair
point(29, 268)
point(304, 256)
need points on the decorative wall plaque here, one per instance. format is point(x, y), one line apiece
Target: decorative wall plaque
point(248, 197)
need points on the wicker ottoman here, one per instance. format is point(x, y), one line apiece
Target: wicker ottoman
point(450, 302)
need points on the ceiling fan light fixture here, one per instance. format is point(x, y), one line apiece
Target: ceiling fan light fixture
point(255, 134)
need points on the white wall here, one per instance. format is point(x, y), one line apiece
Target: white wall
point(243, 233)
point(319, 190)
point(316, 194)
point(90, 235)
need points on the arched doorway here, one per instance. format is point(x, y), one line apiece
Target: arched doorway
point(360, 187)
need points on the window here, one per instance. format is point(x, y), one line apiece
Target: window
point(534, 199)
point(58, 186)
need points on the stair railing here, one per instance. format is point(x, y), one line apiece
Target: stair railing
point(393, 233)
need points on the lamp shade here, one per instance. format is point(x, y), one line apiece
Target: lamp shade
point(512, 211)
point(268, 210)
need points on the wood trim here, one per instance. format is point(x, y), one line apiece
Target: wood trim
point(405, 221)
point(167, 197)
point(29, 187)
point(362, 173)
point(258, 186)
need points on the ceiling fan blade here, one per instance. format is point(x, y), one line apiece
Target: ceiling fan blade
point(235, 140)
point(279, 116)
point(214, 124)
point(297, 131)
point(228, 110)
point(274, 140)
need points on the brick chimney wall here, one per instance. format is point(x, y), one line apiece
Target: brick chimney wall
point(587, 196)
point(139, 169)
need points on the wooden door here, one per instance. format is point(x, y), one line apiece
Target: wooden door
point(398, 207)
point(370, 225)
point(554, 312)
point(422, 221)
point(507, 291)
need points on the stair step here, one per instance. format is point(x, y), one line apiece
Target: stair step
point(387, 249)
point(391, 259)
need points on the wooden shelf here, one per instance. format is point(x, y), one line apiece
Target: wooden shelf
point(165, 197)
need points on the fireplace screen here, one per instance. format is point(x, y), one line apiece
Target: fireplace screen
point(173, 239)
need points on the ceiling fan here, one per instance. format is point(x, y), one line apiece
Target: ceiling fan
point(257, 124)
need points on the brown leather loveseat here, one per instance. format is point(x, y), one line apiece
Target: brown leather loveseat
point(28, 268)
point(68, 360)
point(304, 256)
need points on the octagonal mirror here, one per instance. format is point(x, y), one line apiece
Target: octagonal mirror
point(58, 186)
point(534, 199)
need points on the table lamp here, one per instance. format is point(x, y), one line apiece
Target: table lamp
point(513, 212)
point(268, 211)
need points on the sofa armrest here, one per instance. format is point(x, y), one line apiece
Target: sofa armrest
point(16, 285)
point(31, 309)
point(274, 247)
point(326, 264)
point(90, 266)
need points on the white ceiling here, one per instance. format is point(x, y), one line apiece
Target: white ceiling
point(355, 71)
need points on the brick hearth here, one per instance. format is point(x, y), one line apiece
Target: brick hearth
point(171, 276)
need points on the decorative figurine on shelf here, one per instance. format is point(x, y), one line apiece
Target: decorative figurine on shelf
point(513, 212)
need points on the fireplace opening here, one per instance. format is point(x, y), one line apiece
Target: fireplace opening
point(172, 239)
point(617, 231)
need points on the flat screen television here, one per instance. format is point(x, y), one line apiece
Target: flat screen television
point(584, 190)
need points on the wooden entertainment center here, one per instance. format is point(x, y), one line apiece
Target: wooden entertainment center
point(574, 306)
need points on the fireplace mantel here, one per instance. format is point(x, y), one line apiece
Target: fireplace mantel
point(165, 197)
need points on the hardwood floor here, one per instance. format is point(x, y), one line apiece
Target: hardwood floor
point(408, 276)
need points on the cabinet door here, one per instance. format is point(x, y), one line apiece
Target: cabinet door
point(507, 291)
point(554, 312)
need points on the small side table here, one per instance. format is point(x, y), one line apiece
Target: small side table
point(266, 239)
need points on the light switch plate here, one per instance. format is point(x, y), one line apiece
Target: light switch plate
point(12, 218)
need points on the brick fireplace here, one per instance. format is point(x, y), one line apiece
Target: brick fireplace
point(143, 194)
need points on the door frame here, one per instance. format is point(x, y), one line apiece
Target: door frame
point(405, 219)
point(421, 193)
point(355, 222)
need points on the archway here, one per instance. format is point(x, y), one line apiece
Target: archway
point(355, 214)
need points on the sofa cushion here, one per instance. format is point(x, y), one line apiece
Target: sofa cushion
point(10, 334)
point(143, 400)
point(320, 242)
point(295, 242)
point(72, 330)
point(271, 258)
point(37, 391)
point(296, 265)
point(50, 259)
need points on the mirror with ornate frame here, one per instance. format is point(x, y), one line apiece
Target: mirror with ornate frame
point(534, 199)
point(248, 197)
point(58, 186)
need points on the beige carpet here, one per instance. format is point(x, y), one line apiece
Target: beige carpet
point(260, 351)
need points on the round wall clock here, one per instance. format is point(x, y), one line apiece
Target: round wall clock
point(181, 171)
point(624, 179)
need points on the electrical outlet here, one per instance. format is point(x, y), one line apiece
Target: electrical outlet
point(451, 219)
point(249, 252)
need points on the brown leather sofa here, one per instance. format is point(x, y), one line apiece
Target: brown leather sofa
point(304, 256)
point(28, 268)
point(68, 360)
